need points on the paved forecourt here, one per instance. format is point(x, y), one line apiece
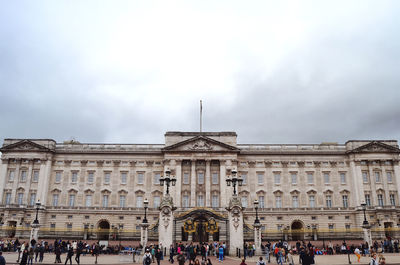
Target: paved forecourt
point(49, 258)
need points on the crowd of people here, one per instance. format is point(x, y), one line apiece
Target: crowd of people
point(197, 254)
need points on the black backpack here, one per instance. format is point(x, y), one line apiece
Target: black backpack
point(147, 260)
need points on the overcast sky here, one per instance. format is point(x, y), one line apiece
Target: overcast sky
point(128, 71)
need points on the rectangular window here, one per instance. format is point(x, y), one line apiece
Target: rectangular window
point(380, 199)
point(389, 176)
point(215, 178)
point(69, 226)
point(367, 200)
point(295, 201)
point(215, 201)
point(377, 177)
point(20, 198)
point(261, 202)
point(185, 177)
point(107, 176)
point(139, 201)
point(343, 178)
point(244, 202)
point(347, 227)
point(365, 176)
point(35, 177)
point(8, 198)
point(345, 201)
point(331, 226)
point(278, 202)
point(105, 201)
point(140, 178)
point(74, 177)
point(71, 200)
point(260, 177)
point(327, 178)
point(122, 199)
point(277, 178)
point(311, 199)
point(88, 201)
point(11, 175)
point(33, 199)
point(200, 201)
point(90, 177)
point(294, 178)
point(123, 177)
point(23, 176)
point(58, 177)
point(392, 199)
point(244, 177)
point(185, 201)
point(156, 202)
point(328, 201)
point(157, 177)
point(55, 199)
point(200, 178)
point(310, 178)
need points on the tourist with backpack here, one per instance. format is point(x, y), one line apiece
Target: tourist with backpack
point(147, 257)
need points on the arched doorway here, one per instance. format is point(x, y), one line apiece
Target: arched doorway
point(12, 226)
point(297, 229)
point(103, 230)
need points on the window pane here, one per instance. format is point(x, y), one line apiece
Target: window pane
point(215, 201)
point(105, 201)
point(55, 199)
point(278, 201)
point(215, 178)
point(20, 198)
point(295, 201)
point(156, 201)
point(294, 178)
point(140, 178)
point(186, 178)
point(157, 177)
point(342, 178)
point(122, 200)
point(365, 176)
point(260, 178)
point(244, 177)
point(326, 178)
point(33, 199)
point(277, 178)
point(377, 177)
point(261, 202)
point(139, 201)
point(23, 175)
point(123, 177)
point(35, 176)
point(310, 178)
point(389, 177)
point(367, 200)
point(74, 177)
point(200, 177)
point(90, 177)
point(244, 202)
point(88, 201)
point(58, 177)
point(11, 175)
point(312, 201)
point(107, 177)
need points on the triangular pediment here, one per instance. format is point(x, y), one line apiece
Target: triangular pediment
point(376, 147)
point(25, 146)
point(201, 144)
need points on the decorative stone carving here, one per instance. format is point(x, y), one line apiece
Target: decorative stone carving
point(166, 221)
point(235, 216)
point(200, 145)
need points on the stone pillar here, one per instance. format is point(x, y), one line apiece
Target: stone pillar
point(356, 179)
point(208, 183)
point(34, 233)
point(44, 179)
point(373, 185)
point(179, 180)
point(235, 217)
point(28, 183)
point(257, 238)
point(193, 184)
point(222, 184)
point(166, 223)
point(367, 234)
point(3, 178)
point(15, 183)
point(144, 234)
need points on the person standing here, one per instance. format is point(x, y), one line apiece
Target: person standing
point(31, 255)
point(373, 259)
point(158, 256)
point(147, 259)
point(221, 253)
point(290, 259)
point(181, 258)
point(2, 259)
point(24, 258)
point(70, 253)
point(78, 252)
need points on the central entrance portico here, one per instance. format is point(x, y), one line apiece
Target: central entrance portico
point(201, 225)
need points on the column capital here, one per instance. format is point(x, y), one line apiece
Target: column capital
point(100, 163)
point(84, 162)
point(300, 163)
point(268, 163)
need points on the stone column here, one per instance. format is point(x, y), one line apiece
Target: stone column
point(166, 223)
point(193, 185)
point(44, 179)
point(235, 217)
point(224, 193)
point(34, 233)
point(208, 183)
point(396, 178)
point(3, 178)
point(179, 180)
point(15, 183)
point(373, 185)
point(144, 234)
point(367, 234)
point(357, 181)
point(257, 238)
point(28, 183)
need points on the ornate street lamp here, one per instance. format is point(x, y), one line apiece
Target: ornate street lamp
point(234, 180)
point(257, 221)
point(146, 203)
point(36, 221)
point(168, 179)
point(365, 222)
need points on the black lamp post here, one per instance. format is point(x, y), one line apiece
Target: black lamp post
point(146, 203)
point(36, 221)
point(234, 180)
point(257, 221)
point(168, 179)
point(365, 222)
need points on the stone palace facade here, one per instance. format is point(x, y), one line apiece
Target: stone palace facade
point(97, 191)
